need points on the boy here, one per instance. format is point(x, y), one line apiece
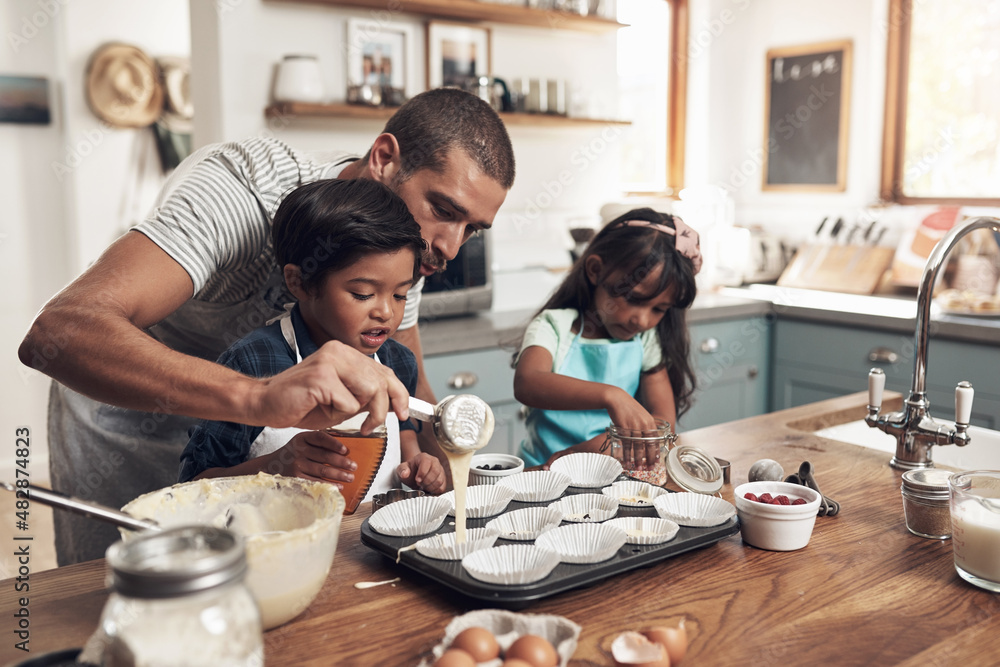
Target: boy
point(349, 251)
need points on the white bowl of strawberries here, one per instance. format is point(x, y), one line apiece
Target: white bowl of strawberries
point(777, 516)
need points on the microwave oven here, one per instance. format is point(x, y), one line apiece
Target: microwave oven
point(466, 284)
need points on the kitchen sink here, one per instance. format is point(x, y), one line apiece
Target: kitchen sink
point(983, 453)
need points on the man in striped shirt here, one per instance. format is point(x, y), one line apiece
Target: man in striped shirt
point(137, 335)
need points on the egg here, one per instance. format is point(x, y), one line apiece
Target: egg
point(477, 642)
point(515, 662)
point(675, 640)
point(454, 657)
point(766, 470)
point(632, 649)
point(534, 650)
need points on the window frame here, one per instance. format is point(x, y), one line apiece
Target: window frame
point(676, 102)
point(893, 136)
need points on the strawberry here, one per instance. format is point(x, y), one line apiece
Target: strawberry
point(765, 498)
point(751, 496)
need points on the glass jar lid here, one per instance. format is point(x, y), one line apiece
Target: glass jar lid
point(694, 470)
point(929, 483)
point(176, 562)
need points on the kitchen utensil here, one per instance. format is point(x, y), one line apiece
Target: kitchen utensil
point(462, 423)
point(805, 477)
point(491, 468)
point(178, 597)
point(380, 500)
point(84, 507)
point(776, 527)
point(290, 528)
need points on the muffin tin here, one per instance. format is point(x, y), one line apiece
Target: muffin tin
point(563, 577)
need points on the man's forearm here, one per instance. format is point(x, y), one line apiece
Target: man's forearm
point(109, 359)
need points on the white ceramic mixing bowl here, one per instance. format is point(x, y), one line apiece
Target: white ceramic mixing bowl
point(291, 527)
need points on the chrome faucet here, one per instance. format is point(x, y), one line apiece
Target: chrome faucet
point(913, 427)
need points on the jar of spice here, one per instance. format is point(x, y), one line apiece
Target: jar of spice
point(925, 502)
point(178, 598)
point(643, 454)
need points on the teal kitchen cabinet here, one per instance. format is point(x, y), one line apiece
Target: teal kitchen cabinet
point(489, 375)
point(732, 361)
point(814, 361)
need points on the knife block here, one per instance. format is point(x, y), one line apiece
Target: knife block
point(838, 268)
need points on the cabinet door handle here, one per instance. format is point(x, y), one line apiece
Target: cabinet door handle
point(752, 372)
point(883, 355)
point(709, 345)
point(463, 380)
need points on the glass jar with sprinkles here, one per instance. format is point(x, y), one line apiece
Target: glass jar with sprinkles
point(925, 502)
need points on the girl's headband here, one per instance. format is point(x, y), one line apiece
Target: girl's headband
point(688, 242)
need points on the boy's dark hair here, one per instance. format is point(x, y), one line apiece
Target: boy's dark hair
point(631, 253)
point(326, 225)
point(436, 122)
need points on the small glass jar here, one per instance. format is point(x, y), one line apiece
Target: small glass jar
point(926, 502)
point(643, 454)
point(179, 599)
point(694, 470)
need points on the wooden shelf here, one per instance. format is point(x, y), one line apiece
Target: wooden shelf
point(470, 10)
point(291, 110)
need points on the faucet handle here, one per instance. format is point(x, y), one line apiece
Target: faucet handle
point(963, 402)
point(876, 385)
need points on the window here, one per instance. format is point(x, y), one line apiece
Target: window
point(652, 82)
point(942, 123)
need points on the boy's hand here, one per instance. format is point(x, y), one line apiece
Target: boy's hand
point(314, 455)
point(424, 472)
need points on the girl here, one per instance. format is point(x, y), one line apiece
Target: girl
point(611, 343)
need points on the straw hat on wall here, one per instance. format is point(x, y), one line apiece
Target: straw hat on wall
point(123, 86)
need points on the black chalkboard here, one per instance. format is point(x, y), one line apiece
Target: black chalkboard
point(808, 102)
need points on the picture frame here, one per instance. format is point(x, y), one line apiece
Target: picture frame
point(455, 52)
point(24, 100)
point(381, 54)
point(807, 117)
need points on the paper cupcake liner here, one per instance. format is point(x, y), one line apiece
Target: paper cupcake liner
point(443, 547)
point(694, 509)
point(526, 524)
point(482, 500)
point(588, 469)
point(415, 516)
point(537, 486)
point(646, 530)
point(511, 564)
point(586, 507)
point(631, 493)
point(583, 542)
point(508, 626)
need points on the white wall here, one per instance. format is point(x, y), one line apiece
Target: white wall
point(729, 42)
point(33, 250)
point(65, 186)
point(562, 172)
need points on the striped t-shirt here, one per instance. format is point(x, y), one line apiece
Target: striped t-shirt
point(214, 219)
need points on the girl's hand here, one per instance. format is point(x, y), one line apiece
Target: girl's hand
point(425, 471)
point(629, 414)
point(314, 455)
point(626, 412)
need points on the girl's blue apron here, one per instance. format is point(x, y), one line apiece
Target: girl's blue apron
point(617, 363)
point(272, 439)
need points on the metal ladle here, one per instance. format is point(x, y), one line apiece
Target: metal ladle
point(84, 507)
point(462, 423)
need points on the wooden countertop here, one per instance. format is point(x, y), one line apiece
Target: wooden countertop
point(865, 591)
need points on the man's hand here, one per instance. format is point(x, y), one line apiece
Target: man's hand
point(327, 387)
point(423, 471)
